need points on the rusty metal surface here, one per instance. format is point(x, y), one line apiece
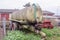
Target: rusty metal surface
point(27, 14)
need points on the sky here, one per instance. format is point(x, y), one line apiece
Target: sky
point(49, 5)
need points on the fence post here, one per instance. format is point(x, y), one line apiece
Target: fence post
point(4, 25)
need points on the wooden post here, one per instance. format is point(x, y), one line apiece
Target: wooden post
point(4, 25)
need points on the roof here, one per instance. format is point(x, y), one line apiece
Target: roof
point(49, 16)
point(48, 13)
point(8, 10)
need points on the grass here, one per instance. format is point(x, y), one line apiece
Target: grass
point(19, 35)
point(52, 34)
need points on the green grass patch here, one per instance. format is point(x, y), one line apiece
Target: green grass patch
point(19, 35)
point(52, 34)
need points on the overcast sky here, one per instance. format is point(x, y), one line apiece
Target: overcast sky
point(50, 5)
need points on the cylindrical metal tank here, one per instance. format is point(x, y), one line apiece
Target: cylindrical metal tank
point(27, 14)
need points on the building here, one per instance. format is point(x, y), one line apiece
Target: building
point(48, 15)
point(55, 19)
point(4, 13)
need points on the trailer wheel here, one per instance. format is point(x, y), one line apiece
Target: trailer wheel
point(14, 26)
